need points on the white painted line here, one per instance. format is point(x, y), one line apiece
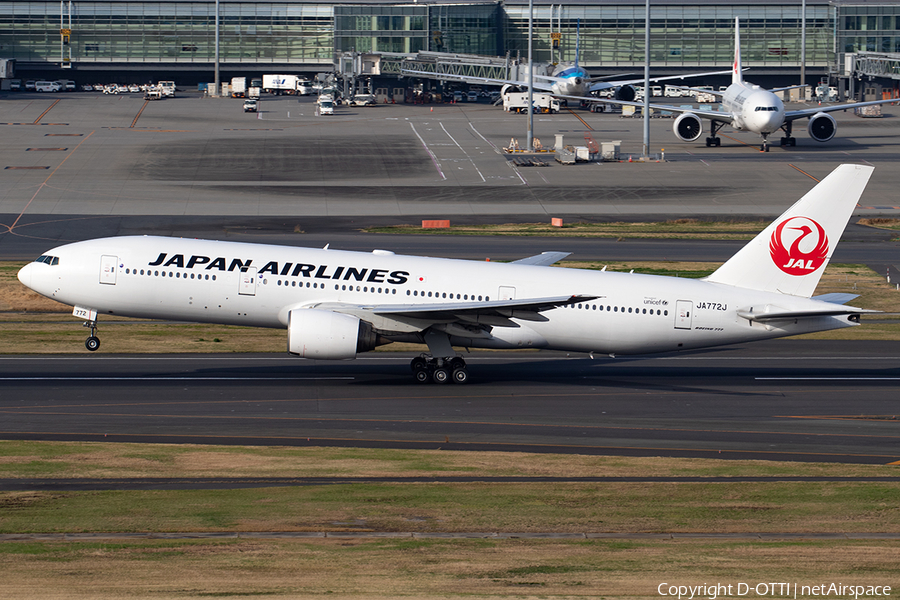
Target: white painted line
point(430, 153)
point(151, 378)
point(464, 152)
point(827, 378)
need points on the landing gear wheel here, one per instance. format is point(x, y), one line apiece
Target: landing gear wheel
point(92, 343)
point(418, 363)
point(460, 375)
point(441, 375)
point(422, 375)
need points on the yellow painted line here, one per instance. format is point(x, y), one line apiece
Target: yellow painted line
point(138, 116)
point(36, 121)
point(577, 116)
point(804, 172)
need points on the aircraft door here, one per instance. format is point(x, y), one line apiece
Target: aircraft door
point(108, 267)
point(506, 292)
point(248, 282)
point(683, 310)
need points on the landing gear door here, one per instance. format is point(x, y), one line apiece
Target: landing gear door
point(108, 267)
point(683, 310)
point(248, 282)
point(506, 293)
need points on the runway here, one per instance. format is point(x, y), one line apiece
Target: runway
point(794, 400)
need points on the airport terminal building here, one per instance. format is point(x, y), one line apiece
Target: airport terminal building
point(143, 39)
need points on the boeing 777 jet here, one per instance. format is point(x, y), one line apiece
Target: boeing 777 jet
point(336, 304)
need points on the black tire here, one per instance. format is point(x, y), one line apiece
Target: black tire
point(422, 376)
point(457, 363)
point(460, 376)
point(418, 363)
point(92, 343)
point(441, 375)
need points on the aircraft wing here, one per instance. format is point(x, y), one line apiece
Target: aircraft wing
point(544, 259)
point(406, 318)
point(609, 84)
point(808, 112)
point(543, 86)
point(706, 114)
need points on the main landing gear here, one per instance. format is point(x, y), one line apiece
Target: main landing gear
point(427, 369)
point(713, 139)
point(93, 342)
point(788, 140)
point(442, 365)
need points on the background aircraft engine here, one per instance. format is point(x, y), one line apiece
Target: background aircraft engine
point(626, 93)
point(328, 335)
point(822, 127)
point(688, 127)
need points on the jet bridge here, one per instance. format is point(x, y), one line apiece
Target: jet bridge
point(460, 67)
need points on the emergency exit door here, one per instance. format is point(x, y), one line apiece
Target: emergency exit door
point(248, 282)
point(683, 310)
point(108, 267)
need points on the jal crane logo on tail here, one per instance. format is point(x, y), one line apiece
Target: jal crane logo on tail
point(798, 246)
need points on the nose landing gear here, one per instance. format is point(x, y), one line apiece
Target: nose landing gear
point(93, 342)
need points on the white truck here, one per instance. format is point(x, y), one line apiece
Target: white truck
point(304, 87)
point(167, 88)
point(518, 102)
point(279, 84)
point(238, 87)
point(253, 92)
point(7, 68)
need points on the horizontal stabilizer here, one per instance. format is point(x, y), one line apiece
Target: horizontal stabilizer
point(836, 298)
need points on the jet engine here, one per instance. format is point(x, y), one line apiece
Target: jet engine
point(328, 335)
point(822, 127)
point(688, 127)
point(625, 93)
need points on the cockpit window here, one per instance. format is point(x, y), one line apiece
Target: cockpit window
point(46, 258)
point(767, 108)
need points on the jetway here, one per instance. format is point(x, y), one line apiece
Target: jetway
point(459, 67)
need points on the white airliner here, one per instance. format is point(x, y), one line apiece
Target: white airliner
point(748, 107)
point(335, 304)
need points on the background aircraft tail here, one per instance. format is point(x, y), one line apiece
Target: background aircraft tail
point(736, 76)
point(790, 255)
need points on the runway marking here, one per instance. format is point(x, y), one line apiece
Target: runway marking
point(577, 116)
point(138, 115)
point(9, 228)
point(170, 378)
point(827, 378)
point(36, 121)
point(464, 152)
point(804, 172)
point(430, 153)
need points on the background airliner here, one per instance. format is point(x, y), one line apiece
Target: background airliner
point(335, 304)
point(748, 107)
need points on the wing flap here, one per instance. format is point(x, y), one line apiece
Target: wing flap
point(544, 259)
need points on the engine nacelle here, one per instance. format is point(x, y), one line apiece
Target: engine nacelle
point(328, 335)
point(822, 127)
point(626, 93)
point(688, 127)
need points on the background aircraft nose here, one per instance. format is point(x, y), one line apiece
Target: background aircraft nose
point(24, 275)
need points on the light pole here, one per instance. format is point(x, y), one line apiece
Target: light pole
point(529, 143)
point(646, 153)
point(218, 86)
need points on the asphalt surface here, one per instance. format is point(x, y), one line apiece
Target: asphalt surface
point(779, 400)
point(79, 166)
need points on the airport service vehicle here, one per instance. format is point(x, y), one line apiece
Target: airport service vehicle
point(304, 87)
point(335, 304)
point(253, 92)
point(15, 85)
point(29, 85)
point(250, 105)
point(279, 84)
point(748, 107)
point(47, 86)
point(325, 105)
point(518, 102)
point(363, 100)
point(238, 87)
point(7, 68)
point(167, 88)
point(153, 94)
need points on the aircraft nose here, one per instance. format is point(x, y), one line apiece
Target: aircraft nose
point(24, 274)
